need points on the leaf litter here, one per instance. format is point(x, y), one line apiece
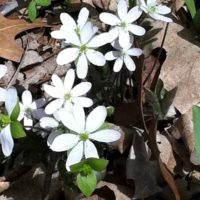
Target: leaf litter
point(153, 141)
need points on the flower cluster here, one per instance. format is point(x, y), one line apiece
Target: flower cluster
point(71, 128)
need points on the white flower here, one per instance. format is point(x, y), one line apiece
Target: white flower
point(65, 94)
point(123, 22)
point(3, 70)
point(155, 11)
point(29, 108)
point(83, 130)
point(83, 49)
point(123, 55)
point(52, 123)
point(6, 139)
point(69, 23)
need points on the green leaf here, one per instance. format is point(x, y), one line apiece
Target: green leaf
point(15, 112)
point(32, 11)
point(110, 110)
point(43, 2)
point(196, 20)
point(86, 184)
point(17, 130)
point(196, 124)
point(97, 164)
point(191, 7)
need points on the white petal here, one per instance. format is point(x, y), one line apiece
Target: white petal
point(82, 17)
point(7, 143)
point(83, 101)
point(136, 30)
point(38, 113)
point(72, 37)
point(3, 70)
point(112, 55)
point(160, 9)
point(69, 80)
point(95, 57)
point(27, 98)
point(115, 44)
point(2, 94)
point(118, 64)
point(22, 112)
point(64, 142)
point(68, 106)
point(28, 122)
point(48, 122)
point(113, 33)
point(53, 106)
point(52, 137)
point(75, 155)
point(38, 103)
point(57, 82)
point(11, 100)
point(160, 17)
point(58, 34)
point(134, 14)
point(82, 66)
point(68, 120)
point(134, 52)
point(99, 40)
point(67, 56)
point(109, 19)
point(67, 20)
point(79, 116)
point(129, 63)
point(81, 89)
point(122, 9)
point(151, 3)
point(124, 39)
point(86, 32)
point(107, 135)
point(142, 3)
point(52, 91)
point(90, 150)
point(95, 119)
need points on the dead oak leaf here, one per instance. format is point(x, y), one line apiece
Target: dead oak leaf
point(9, 28)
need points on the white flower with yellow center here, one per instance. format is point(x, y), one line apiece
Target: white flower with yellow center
point(122, 23)
point(155, 11)
point(65, 94)
point(83, 130)
point(123, 55)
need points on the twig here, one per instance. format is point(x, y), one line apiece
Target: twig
point(14, 77)
point(48, 175)
point(159, 53)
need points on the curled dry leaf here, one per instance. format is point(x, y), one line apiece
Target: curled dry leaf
point(9, 28)
point(181, 67)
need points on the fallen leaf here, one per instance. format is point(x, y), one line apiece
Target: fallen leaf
point(170, 180)
point(181, 67)
point(9, 28)
point(140, 169)
point(101, 3)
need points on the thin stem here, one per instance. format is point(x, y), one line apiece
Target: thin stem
point(159, 53)
point(38, 128)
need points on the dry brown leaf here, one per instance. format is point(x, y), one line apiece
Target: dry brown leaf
point(181, 67)
point(9, 28)
point(101, 3)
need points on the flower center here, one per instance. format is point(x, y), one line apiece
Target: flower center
point(4, 121)
point(28, 112)
point(84, 136)
point(68, 96)
point(152, 9)
point(123, 25)
point(83, 48)
point(78, 31)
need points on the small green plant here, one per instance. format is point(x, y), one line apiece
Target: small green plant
point(33, 6)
